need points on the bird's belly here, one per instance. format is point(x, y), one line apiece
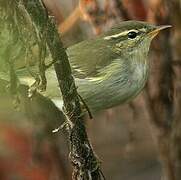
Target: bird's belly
point(109, 93)
point(114, 92)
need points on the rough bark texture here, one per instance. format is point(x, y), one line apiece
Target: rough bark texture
point(85, 164)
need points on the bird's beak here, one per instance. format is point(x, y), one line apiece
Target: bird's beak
point(153, 33)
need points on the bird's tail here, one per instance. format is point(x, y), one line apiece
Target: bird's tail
point(58, 103)
point(28, 80)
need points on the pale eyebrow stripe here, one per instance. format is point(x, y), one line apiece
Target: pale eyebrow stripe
point(142, 29)
point(120, 34)
point(124, 33)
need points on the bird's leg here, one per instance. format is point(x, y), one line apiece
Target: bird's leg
point(86, 106)
point(68, 122)
point(42, 65)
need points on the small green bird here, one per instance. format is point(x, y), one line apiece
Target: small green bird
point(110, 69)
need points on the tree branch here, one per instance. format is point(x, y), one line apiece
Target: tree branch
point(85, 163)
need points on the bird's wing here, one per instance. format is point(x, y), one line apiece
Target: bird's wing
point(88, 57)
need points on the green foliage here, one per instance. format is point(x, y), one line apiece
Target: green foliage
point(21, 45)
point(18, 36)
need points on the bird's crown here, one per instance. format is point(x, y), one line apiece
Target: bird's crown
point(129, 30)
point(132, 33)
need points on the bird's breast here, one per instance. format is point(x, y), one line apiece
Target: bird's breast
point(118, 88)
point(127, 86)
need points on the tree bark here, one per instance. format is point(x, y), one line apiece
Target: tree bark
point(84, 161)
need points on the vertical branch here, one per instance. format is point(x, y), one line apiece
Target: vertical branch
point(85, 164)
point(166, 89)
point(176, 126)
point(161, 105)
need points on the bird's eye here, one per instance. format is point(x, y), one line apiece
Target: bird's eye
point(132, 34)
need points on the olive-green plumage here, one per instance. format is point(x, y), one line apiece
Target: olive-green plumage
point(110, 69)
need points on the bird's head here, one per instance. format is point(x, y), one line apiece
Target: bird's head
point(132, 35)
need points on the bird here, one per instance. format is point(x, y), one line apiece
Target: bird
point(110, 69)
